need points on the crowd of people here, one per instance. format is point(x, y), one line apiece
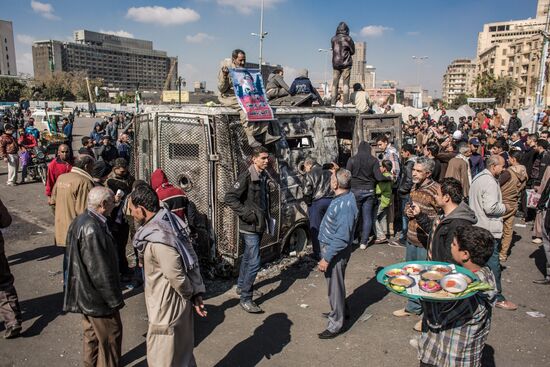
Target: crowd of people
point(449, 192)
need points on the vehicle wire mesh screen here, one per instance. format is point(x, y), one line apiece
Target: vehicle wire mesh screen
point(183, 152)
point(227, 231)
point(142, 148)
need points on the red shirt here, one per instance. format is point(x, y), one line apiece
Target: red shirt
point(56, 168)
point(28, 141)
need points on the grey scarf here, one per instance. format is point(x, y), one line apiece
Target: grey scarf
point(170, 230)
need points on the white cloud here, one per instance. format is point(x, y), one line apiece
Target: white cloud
point(24, 63)
point(247, 6)
point(374, 30)
point(199, 38)
point(161, 15)
point(44, 9)
point(24, 39)
point(120, 33)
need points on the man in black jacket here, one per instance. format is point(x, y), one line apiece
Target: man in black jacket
point(543, 207)
point(404, 188)
point(93, 287)
point(10, 311)
point(317, 195)
point(514, 124)
point(455, 213)
point(249, 199)
point(343, 49)
point(365, 173)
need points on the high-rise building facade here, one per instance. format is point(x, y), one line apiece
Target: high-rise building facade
point(370, 77)
point(123, 63)
point(513, 49)
point(358, 66)
point(7, 49)
point(459, 79)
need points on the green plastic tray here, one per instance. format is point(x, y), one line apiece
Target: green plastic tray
point(382, 279)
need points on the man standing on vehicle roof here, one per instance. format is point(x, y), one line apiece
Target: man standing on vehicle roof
point(343, 49)
point(227, 98)
point(249, 199)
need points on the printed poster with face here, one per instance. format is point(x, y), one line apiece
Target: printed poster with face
point(249, 89)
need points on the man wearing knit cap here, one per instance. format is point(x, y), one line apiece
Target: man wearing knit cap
point(302, 86)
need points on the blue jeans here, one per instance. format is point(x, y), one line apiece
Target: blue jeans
point(366, 204)
point(403, 200)
point(316, 212)
point(250, 264)
point(494, 265)
point(413, 253)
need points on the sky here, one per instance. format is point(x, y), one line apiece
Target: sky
point(203, 32)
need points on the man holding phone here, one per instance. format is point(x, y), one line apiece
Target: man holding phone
point(423, 197)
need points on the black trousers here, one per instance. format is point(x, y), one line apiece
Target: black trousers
point(10, 311)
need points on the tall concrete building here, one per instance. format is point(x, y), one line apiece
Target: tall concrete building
point(123, 63)
point(7, 49)
point(513, 49)
point(459, 79)
point(370, 77)
point(359, 62)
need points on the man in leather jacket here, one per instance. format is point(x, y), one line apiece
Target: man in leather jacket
point(249, 199)
point(317, 195)
point(10, 311)
point(93, 287)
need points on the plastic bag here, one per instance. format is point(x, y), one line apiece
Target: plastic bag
point(532, 198)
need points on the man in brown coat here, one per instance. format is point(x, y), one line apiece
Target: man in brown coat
point(10, 311)
point(70, 197)
point(512, 182)
point(459, 167)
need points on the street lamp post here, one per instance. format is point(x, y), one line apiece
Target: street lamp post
point(261, 35)
point(326, 51)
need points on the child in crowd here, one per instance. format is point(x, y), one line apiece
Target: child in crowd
point(454, 333)
point(384, 194)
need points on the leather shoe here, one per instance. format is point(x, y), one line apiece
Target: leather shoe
point(545, 281)
point(12, 332)
point(253, 142)
point(327, 335)
point(251, 307)
point(506, 305)
point(255, 293)
point(325, 315)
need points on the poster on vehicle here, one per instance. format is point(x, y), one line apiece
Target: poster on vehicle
point(249, 89)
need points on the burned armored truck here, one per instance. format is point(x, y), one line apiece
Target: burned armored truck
point(203, 150)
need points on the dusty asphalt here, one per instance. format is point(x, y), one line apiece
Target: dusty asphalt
point(286, 334)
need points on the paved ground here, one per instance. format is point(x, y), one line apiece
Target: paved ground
point(285, 335)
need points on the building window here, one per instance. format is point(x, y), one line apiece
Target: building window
point(493, 29)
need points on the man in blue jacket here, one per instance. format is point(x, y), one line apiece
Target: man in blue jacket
point(335, 237)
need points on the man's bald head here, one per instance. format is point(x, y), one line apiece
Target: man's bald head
point(495, 164)
point(63, 152)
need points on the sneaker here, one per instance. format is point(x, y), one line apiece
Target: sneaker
point(251, 307)
point(506, 305)
point(12, 332)
point(402, 313)
point(418, 326)
point(363, 246)
point(537, 241)
point(255, 293)
point(253, 142)
point(327, 335)
point(544, 281)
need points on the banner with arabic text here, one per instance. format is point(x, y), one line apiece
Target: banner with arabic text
point(250, 92)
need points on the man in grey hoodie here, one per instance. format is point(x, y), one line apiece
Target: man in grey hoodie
point(486, 202)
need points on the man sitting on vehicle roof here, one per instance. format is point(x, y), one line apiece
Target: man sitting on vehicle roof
point(227, 98)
